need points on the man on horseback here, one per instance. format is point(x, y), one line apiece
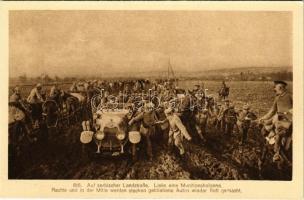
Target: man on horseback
point(279, 114)
point(224, 91)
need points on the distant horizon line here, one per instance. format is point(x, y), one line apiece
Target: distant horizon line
point(157, 71)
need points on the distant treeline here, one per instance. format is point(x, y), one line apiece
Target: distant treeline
point(242, 76)
point(247, 76)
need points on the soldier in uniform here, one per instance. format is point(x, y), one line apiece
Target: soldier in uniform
point(15, 98)
point(177, 130)
point(220, 116)
point(184, 107)
point(55, 94)
point(244, 118)
point(227, 116)
point(35, 99)
point(279, 112)
point(224, 84)
point(73, 87)
point(196, 89)
point(148, 120)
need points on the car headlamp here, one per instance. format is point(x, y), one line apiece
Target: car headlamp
point(120, 135)
point(99, 135)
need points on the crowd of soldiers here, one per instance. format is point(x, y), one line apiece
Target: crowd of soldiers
point(150, 111)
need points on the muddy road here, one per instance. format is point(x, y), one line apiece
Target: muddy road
point(220, 158)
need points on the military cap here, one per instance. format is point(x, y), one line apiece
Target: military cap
point(280, 82)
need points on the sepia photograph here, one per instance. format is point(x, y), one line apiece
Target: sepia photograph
point(150, 95)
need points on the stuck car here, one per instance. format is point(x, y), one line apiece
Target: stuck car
point(111, 134)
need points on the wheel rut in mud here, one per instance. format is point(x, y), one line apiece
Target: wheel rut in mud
point(62, 158)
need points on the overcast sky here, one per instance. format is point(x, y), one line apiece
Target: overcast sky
point(89, 42)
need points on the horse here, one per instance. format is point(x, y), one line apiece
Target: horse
point(51, 113)
point(23, 135)
point(268, 133)
point(72, 104)
point(223, 93)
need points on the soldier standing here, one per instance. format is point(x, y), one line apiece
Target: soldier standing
point(148, 118)
point(244, 118)
point(55, 94)
point(220, 116)
point(15, 98)
point(227, 116)
point(35, 99)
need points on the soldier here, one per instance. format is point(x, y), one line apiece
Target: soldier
point(163, 127)
point(224, 84)
point(177, 131)
point(278, 113)
point(86, 115)
point(15, 98)
point(80, 87)
point(73, 87)
point(244, 118)
point(148, 118)
point(198, 92)
point(227, 116)
point(185, 110)
point(220, 115)
point(196, 89)
point(229, 120)
point(35, 99)
point(55, 93)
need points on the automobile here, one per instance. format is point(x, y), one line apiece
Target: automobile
point(111, 134)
